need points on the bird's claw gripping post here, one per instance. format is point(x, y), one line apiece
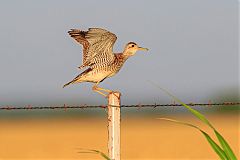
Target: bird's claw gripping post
point(115, 93)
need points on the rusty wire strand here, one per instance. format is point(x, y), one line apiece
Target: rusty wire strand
point(30, 107)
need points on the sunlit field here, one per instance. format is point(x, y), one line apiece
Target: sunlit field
point(142, 137)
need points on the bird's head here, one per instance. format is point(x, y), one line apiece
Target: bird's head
point(131, 48)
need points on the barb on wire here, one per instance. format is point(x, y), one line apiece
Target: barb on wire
point(65, 107)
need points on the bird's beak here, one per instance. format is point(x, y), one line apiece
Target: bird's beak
point(143, 49)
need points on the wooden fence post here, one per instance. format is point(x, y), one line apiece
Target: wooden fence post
point(114, 125)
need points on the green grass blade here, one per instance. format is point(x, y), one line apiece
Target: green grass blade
point(194, 112)
point(213, 144)
point(93, 151)
point(225, 146)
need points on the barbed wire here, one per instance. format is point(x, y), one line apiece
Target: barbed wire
point(65, 106)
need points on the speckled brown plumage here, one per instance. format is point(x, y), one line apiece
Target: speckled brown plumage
point(99, 57)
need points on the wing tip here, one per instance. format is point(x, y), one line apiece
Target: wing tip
point(76, 32)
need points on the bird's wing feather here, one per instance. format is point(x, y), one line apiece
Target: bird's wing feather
point(79, 36)
point(97, 45)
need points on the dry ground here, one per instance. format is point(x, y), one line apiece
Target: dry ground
point(141, 138)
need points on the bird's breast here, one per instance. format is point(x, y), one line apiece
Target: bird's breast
point(100, 72)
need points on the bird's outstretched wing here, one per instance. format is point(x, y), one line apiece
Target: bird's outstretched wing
point(97, 45)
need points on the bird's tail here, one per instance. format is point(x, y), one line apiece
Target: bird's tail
point(78, 78)
point(71, 82)
point(66, 84)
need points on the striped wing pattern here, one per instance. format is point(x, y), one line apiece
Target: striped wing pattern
point(97, 45)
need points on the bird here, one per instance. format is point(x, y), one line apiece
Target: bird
point(98, 56)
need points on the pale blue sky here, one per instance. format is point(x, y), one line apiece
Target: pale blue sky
point(193, 49)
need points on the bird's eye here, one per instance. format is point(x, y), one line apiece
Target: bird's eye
point(133, 45)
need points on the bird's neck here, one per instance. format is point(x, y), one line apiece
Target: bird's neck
point(126, 54)
point(122, 57)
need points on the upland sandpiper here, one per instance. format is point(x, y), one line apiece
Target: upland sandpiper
point(98, 56)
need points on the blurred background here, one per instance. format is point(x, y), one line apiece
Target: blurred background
point(193, 49)
point(193, 54)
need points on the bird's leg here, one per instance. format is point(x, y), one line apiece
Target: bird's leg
point(107, 90)
point(103, 89)
point(98, 89)
point(95, 88)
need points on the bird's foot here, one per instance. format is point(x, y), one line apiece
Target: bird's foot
point(115, 93)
